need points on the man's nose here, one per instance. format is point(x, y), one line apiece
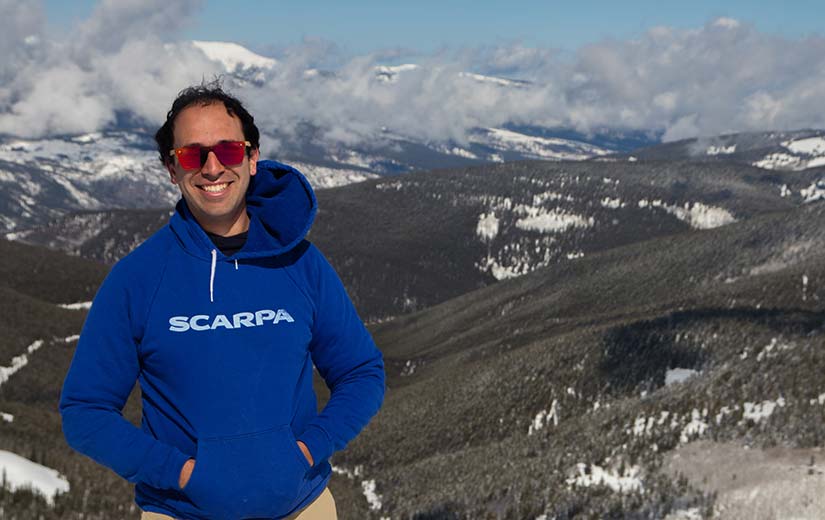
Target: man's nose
point(212, 166)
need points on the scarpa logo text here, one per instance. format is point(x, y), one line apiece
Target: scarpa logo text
point(201, 322)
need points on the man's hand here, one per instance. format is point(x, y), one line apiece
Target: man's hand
point(186, 472)
point(306, 453)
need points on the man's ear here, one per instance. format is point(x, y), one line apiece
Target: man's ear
point(170, 167)
point(253, 161)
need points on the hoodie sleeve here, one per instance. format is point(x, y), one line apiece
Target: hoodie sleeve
point(101, 376)
point(348, 360)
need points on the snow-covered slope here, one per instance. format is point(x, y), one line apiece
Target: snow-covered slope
point(509, 142)
point(19, 472)
point(45, 178)
point(779, 151)
point(798, 154)
point(233, 57)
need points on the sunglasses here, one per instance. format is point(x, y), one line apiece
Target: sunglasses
point(193, 157)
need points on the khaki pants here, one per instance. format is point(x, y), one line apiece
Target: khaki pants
point(323, 508)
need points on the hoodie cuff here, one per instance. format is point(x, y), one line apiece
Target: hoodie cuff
point(170, 479)
point(318, 444)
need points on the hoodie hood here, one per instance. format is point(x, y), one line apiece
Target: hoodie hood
point(281, 207)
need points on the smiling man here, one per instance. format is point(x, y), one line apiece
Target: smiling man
point(221, 317)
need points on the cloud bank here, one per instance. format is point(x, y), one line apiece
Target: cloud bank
point(127, 58)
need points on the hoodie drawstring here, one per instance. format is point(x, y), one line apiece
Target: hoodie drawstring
point(212, 276)
point(236, 264)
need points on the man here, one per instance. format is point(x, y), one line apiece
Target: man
point(221, 316)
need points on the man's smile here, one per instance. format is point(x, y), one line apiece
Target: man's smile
point(214, 188)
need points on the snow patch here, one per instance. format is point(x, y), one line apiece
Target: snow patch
point(19, 362)
point(541, 198)
point(686, 514)
point(351, 474)
point(487, 227)
point(807, 146)
point(696, 427)
point(544, 417)
point(409, 368)
point(773, 349)
point(76, 306)
point(593, 475)
point(553, 221)
point(373, 498)
point(700, 216)
point(782, 161)
point(460, 152)
point(644, 203)
point(617, 203)
point(678, 375)
point(721, 150)
point(758, 412)
point(724, 412)
point(643, 426)
point(814, 192)
point(21, 473)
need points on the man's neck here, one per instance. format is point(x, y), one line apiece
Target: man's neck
point(225, 227)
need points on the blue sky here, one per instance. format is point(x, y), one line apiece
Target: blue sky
point(426, 25)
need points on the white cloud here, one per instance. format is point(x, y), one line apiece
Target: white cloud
point(725, 76)
point(115, 61)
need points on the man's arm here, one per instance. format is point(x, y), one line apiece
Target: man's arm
point(102, 374)
point(348, 360)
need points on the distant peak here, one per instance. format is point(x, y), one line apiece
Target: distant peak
point(233, 56)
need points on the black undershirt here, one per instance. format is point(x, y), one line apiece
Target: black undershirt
point(228, 245)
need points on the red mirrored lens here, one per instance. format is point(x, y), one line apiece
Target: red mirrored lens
point(193, 157)
point(189, 157)
point(231, 153)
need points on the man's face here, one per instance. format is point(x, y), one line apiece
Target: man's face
point(215, 193)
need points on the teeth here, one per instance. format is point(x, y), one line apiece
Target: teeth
point(214, 188)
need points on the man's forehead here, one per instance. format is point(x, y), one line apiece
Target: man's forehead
point(203, 120)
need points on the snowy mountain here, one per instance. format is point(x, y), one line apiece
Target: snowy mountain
point(46, 178)
point(672, 373)
point(234, 57)
point(675, 378)
point(447, 232)
point(780, 151)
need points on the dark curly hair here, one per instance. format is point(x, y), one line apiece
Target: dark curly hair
point(204, 94)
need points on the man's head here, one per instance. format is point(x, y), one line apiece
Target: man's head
point(201, 118)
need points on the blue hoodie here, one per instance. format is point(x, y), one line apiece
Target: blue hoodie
point(223, 348)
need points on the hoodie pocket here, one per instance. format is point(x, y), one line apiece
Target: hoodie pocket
point(255, 475)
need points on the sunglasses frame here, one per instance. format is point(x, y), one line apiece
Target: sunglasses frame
point(175, 152)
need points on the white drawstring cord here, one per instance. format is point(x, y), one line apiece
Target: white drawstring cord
point(212, 276)
point(236, 264)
